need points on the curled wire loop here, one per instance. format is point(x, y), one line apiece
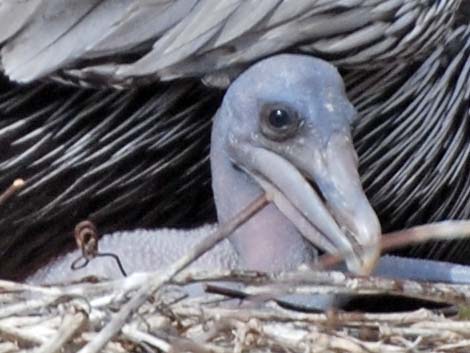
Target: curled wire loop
point(86, 237)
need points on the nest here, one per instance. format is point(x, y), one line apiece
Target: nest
point(151, 312)
point(128, 315)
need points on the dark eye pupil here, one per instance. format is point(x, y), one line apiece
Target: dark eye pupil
point(279, 118)
point(278, 122)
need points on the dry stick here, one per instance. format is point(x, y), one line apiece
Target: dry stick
point(12, 189)
point(446, 230)
point(118, 321)
point(71, 323)
point(440, 231)
point(143, 337)
point(282, 315)
point(19, 336)
point(264, 285)
point(24, 306)
point(9, 286)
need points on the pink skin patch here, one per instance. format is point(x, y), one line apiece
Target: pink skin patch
point(270, 242)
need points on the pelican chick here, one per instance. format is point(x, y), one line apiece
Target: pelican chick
point(284, 128)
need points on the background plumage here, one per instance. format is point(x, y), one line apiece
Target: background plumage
point(137, 157)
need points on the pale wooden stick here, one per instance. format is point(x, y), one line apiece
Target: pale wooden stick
point(138, 336)
point(24, 306)
point(446, 230)
point(268, 285)
point(71, 323)
point(12, 189)
point(23, 338)
point(10, 286)
point(439, 231)
point(452, 347)
point(280, 315)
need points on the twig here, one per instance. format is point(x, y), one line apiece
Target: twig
point(318, 282)
point(452, 347)
point(71, 323)
point(185, 345)
point(138, 337)
point(446, 230)
point(116, 323)
point(228, 292)
point(440, 231)
point(24, 339)
point(280, 315)
point(24, 306)
point(12, 190)
point(10, 286)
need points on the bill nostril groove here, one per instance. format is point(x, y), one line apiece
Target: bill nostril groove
point(316, 188)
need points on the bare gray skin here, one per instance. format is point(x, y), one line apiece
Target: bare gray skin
point(283, 122)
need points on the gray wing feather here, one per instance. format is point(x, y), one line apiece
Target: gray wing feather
point(70, 39)
point(249, 14)
point(186, 38)
point(135, 29)
point(361, 37)
point(289, 10)
point(54, 20)
point(14, 15)
point(273, 40)
point(167, 39)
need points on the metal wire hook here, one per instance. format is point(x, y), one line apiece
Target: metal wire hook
point(86, 237)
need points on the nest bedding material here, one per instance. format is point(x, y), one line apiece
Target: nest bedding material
point(71, 317)
point(152, 311)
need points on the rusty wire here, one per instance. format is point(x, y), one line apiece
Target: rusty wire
point(87, 237)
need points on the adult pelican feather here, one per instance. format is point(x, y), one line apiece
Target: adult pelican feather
point(91, 154)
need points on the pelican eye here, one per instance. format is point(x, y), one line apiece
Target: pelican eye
point(278, 122)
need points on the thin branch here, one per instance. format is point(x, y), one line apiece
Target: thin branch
point(10, 286)
point(12, 190)
point(24, 306)
point(268, 286)
point(446, 230)
point(439, 231)
point(138, 337)
point(280, 315)
point(24, 339)
point(71, 323)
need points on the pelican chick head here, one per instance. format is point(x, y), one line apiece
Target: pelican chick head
point(284, 128)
